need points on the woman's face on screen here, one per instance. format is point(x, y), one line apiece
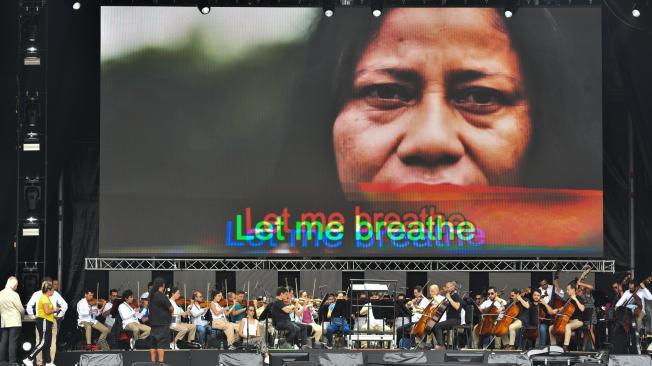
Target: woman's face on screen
point(437, 98)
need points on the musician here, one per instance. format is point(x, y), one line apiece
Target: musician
point(453, 314)
point(11, 315)
point(107, 313)
point(198, 317)
point(575, 320)
point(261, 304)
point(546, 290)
point(492, 299)
point(339, 317)
point(618, 291)
point(59, 303)
point(239, 312)
point(537, 309)
point(634, 297)
point(590, 318)
point(86, 319)
point(325, 309)
point(306, 314)
point(145, 295)
point(220, 322)
point(177, 313)
point(281, 310)
point(517, 324)
point(249, 329)
point(367, 320)
point(130, 316)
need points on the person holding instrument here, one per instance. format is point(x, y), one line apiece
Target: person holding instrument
point(524, 305)
point(453, 314)
point(198, 310)
point(130, 315)
point(44, 319)
point(542, 311)
point(181, 328)
point(281, 310)
point(87, 311)
point(575, 319)
point(339, 312)
point(634, 298)
point(219, 310)
point(239, 311)
point(493, 299)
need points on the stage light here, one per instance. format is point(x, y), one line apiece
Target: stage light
point(329, 7)
point(511, 7)
point(636, 12)
point(31, 142)
point(27, 346)
point(30, 36)
point(76, 5)
point(376, 8)
point(203, 6)
point(31, 227)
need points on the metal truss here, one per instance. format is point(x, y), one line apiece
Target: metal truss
point(290, 264)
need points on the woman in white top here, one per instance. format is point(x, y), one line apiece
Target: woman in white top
point(220, 322)
point(177, 325)
point(248, 330)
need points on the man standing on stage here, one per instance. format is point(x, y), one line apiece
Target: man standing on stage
point(160, 318)
point(11, 317)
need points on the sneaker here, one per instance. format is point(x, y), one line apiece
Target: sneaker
point(296, 347)
point(232, 348)
point(132, 343)
point(50, 364)
point(266, 359)
point(28, 362)
point(173, 346)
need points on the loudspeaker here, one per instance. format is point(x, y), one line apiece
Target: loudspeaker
point(240, 359)
point(100, 359)
point(341, 359)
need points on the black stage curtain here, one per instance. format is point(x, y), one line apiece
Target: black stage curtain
point(74, 137)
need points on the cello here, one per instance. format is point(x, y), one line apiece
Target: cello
point(489, 316)
point(559, 327)
point(506, 317)
point(430, 317)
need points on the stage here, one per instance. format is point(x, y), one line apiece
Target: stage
point(360, 357)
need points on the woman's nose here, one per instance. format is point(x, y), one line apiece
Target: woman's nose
point(432, 136)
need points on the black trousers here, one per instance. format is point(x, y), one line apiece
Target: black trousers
point(441, 326)
point(44, 329)
point(9, 341)
point(294, 331)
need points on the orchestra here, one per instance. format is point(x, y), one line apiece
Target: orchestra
point(546, 316)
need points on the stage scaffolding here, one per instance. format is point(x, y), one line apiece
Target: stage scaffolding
point(300, 264)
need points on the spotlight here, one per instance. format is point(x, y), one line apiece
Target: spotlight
point(636, 12)
point(377, 8)
point(30, 35)
point(203, 6)
point(31, 142)
point(329, 8)
point(511, 7)
point(27, 346)
point(76, 5)
point(31, 226)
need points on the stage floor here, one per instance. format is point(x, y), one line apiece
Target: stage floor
point(374, 357)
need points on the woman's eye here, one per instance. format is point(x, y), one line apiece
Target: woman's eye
point(387, 96)
point(479, 100)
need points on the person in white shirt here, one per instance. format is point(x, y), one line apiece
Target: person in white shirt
point(492, 300)
point(130, 317)
point(642, 294)
point(86, 320)
point(59, 303)
point(181, 328)
point(145, 295)
point(11, 317)
point(249, 331)
point(367, 320)
point(197, 314)
point(107, 313)
point(219, 318)
point(546, 290)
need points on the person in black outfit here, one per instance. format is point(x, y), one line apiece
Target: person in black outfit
point(281, 310)
point(575, 320)
point(453, 316)
point(160, 318)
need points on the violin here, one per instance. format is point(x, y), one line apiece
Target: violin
point(95, 302)
point(181, 302)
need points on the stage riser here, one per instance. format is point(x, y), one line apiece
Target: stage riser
point(371, 357)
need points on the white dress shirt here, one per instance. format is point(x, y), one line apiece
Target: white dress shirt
point(128, 314)
point(197, 315)
point(108, 319)
point(56, 299)
point(546, 294)
point(86, 313)
point(422, 305)
point(500, 303)
point(176, 313)
point(643, 294)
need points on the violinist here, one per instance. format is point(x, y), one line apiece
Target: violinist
point(575, 319)
point(219, 310)
point(540, 310)
point(239, 312)
point(143, 305)
point(261, 304)
point(198, 310)
point(281, 310)
point(493, 299)
point(130, 316)
point(339, 316)
point(306, 316)
point(634, 298)
point(517, 323)
point(107, 313)
point(177, 313)
point(453, 314)
point(88, 310)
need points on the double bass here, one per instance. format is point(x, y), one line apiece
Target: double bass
point(432, 314)
point(559, 327)
point(508, 315)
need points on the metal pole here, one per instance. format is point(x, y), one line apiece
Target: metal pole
point(632, 224)
point(60, 233)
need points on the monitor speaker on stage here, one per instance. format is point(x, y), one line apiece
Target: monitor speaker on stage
point(464, 357)
point(238, 359)
point(284, 358)
point(341, 359)
point(630, 360)
point(101, 359)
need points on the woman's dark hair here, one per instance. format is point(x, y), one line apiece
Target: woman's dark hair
point(564, 98)
point(126, 294)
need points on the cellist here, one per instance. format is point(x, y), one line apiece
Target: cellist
point(542, 311)
point(453, 314)
point(517, 323)
point(640, 294)
point(575, 319)
point(492, 299)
